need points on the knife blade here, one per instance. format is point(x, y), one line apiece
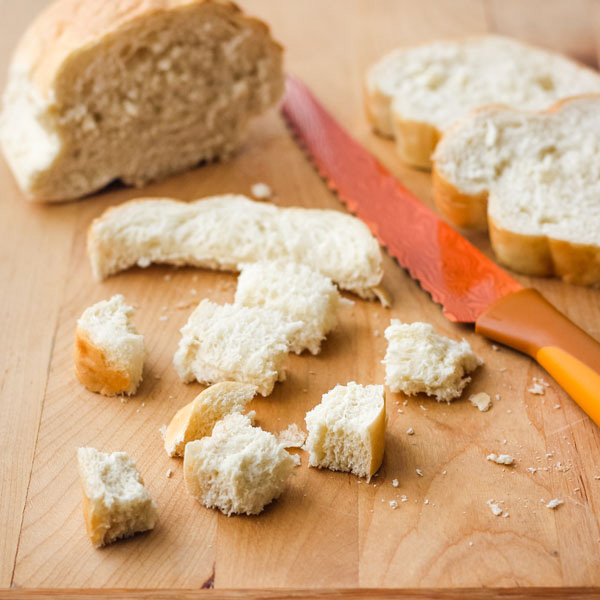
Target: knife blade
point(470, 287)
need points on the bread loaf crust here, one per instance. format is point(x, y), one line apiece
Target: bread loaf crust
point(415, 141)
point(61, 145)
point(464, 210)
point(67, 27)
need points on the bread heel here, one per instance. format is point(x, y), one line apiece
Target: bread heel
point(527, 322)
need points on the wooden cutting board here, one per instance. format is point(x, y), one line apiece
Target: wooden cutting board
point(329, 530)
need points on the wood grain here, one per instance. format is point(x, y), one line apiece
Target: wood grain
point(329, 530)
point(320, 594)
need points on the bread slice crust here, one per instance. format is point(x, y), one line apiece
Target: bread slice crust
point(534, 255)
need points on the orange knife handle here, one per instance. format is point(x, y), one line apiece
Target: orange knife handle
point(526, 321)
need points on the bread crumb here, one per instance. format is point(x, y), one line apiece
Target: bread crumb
point(393, 504)
point(596, 476)
point(444, 472)
point(169, 473)
point(508, 411)
point(502, 459)
point(426, 501)
point(410, 431)
point(554, 503)
point(163, 431)
point(495, 348)
point(395, 483)
point(422, 407)
point(383, 296)
point(261, 191)
point(400, 411)
point(494, 507)
point(163, 318)
point(481, 400)
point(292, 437)
point(124, 400)
point(557, 406)
point(470, 543)
point(419, 472)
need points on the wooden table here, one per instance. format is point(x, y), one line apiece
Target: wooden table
point(329, 530)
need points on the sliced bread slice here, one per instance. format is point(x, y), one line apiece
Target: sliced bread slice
point(109, 352)
point(534, 178)
point(132, 90)
point(420, 360)
point(298, 292)
point(346, 431)
point(197, 419)
point(415, 94)
point(115, 502)
point(224, 232)
point(234, 343)
point(239, 469)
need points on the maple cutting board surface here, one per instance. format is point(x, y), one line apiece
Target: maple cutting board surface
point(328, 530)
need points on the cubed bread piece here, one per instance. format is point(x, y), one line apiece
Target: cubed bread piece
point(197, 419)
point(296, 291)
point(346, 431)
point(234, 343)
point(115, 502)
point(109, 352)
point(238, 469)
point(419, 360)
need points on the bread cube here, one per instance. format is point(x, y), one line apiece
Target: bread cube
point(296, 291)
point(239, 469)
point(109, 352)
point(419, 360)
point(115, 502)
point(234, 343)
point(346, 431)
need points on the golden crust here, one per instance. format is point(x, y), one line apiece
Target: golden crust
point(543, 256)
point(94, 370)
point(377, 433)
point(188, 425)
point(415, 141)
point(464, 210)
point(96, 530)
point(69, 26)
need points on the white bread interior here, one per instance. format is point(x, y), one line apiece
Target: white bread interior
point(420, 360)
point(298, 292)
point(234, 343)
point(239, 469)
point(291, 437)
point(132, 90)
point(346, 431)
point(537, 175)
point(224, 232)
point(197, 419)
point(109, 352)
point(115, 502)
point(415, 94)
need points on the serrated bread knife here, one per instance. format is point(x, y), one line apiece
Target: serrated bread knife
point(469, 286)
